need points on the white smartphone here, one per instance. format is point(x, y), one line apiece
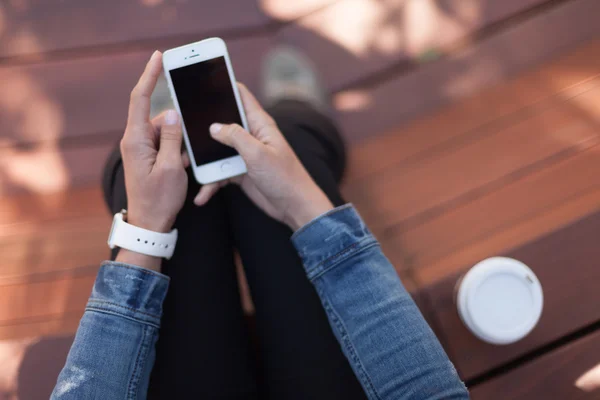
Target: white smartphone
point(204, 90)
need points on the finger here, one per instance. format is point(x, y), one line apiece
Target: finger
point(170, 138)
point(206, 193)
point(237, 137)
point(590, 380)
point(185, 158)
point(159, 118)
point(250, 102)
point(257, 116)
point(237, 179)
point(157, 123)
point(139, 104)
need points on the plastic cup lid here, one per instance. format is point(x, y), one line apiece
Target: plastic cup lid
point(500, 300)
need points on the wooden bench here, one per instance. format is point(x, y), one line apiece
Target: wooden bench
point(491, 149)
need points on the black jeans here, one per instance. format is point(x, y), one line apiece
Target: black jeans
point(204, 349)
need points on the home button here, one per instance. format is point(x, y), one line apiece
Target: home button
point(225, 167)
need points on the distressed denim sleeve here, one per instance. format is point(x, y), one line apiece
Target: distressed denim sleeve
point(393, 352)
point(114, 349)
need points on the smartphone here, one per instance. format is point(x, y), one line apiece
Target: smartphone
point(204, 91)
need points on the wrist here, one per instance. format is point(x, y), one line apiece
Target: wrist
point(308, 207)
point(141, 220)
point(141, 260)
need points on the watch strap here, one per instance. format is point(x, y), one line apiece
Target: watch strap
point(140, 240)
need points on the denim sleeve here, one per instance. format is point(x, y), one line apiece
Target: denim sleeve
point(114, 348)
point(392, 350)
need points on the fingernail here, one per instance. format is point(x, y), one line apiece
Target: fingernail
point(583, 384)
point(197, 199)
point(154, 54)
point(215, 128)
point(171, 117)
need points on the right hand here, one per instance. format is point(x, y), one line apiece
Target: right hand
point(276, 180)
point(589, 381)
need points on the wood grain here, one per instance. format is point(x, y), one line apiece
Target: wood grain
point(24, 213)
point(565, 262)
point(405, 196)
point(35, 367)
point(510, 237)
point(53, 232)
point(43, 298)
point(55, 246)
point(551, 376)
point(46, 326)
point(39, 26)
point(481, 65)
point(89, 96)
point(565, 77)
point(390, 32)
point(472, 222)
point(51, 169)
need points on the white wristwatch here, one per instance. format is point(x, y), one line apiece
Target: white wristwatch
point(140, 240)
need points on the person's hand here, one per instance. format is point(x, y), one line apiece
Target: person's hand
point(276, 180)
point(590, 380)
point(155, 177)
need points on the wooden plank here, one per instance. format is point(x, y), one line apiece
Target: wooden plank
point(509, 237)
point(50, 168)
point(49, 123)
point(405, 195)
point(574, 66)
point(588, 106)
point(53, 232)
point(54, 325)
point(367, 36)
point(551, 376)
point(44, 298)
point(24, 213)
point(38, 26)
point(52, 246)
point(466, 225)
point(565, 77)
point(89, 96)
point(481, 65)
point(568, 255)
point(31, 366)
point(55, 246)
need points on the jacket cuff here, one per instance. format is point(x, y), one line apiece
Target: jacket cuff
point(331, 238)
point(129, 291)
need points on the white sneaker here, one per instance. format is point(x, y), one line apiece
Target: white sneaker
point(289, 74)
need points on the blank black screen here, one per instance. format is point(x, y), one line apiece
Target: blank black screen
point(205, 96)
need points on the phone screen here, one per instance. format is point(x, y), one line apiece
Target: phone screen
point(205, 95)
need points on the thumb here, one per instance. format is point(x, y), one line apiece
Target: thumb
point(590, 380)
point(170, 136)
point(237, 137)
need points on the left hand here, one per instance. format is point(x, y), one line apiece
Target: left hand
point(155, 176)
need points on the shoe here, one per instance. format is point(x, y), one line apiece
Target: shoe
point(160, 100)
point(290, 75)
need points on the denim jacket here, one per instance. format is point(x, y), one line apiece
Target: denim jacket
point(390, 347)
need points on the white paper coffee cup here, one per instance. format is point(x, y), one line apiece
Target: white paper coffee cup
point(500, 300)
